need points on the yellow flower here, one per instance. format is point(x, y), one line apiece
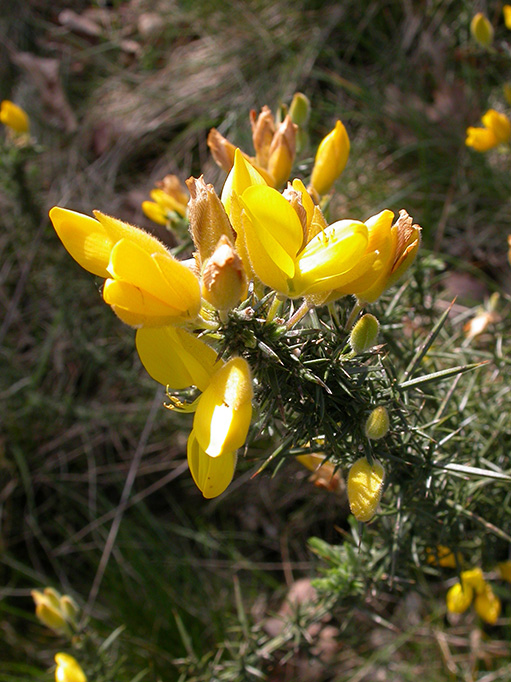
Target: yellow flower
point(220, 427)
point(473, 578)
point(459, 598)
point(176, 358)
point(68, 669)
point(496, 130)
point(331, 158)
point(365, 487)
point(481, 30)
point(324, 474)
point(487, 605)
point(295, 253)
point(145, 285)
point(58, 612)
point(506, 11)
point(13, 116)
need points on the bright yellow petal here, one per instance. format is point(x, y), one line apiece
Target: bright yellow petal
point(176, 358)
point(211, 475)
point(131, 298)
point(182, 282)
point(168, 202)
point(85, 239)
point(117, 230)
point(241, 176)
point(154, 212)
point(481, 139)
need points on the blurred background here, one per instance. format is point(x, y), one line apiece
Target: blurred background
point(120, 94)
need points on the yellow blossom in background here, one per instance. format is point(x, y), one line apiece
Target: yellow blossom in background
point(504, 569)
point(331, 158)
point(14, 117)
point(68, 669)
point(506, 11)
point(459, 598)
point(169, 201)
point(506, 88)
point(488, 605)
point(58, 612)
point(473, 578)
point(324, 474)
point(481, 30)
point(443, 556)
point(145, 285)
point(496, 130)
point(365, 487)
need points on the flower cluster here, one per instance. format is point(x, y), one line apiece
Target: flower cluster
point(249, 240)
point(473, 586)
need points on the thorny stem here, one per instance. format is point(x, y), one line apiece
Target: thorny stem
point(297, 316)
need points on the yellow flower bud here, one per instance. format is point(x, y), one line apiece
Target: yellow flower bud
point(488, 606)
point(459, 598)
point(68, 669)
point(443, 556)
point(224, 282)
point(377, 424)
point(69, 608)
point(481, 30)
point(14, 117)
point(506, 11)
point(364, 334)
point(224, 410)
point(282, 152)
point(365, 487)
point(221, 149)
point(331, 159)
point(299, 110)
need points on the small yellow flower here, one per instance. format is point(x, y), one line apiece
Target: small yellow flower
point(14, 117)
point(459, 598)
point(365, 487)
point(58, 612)
point(145, 285)
point(496, 130)
point(331, 158)
point(68, 669)
point(473, 578)
point(324, 474)
point(481, 30)
point(169, 200)
point(506, 11)
point(488, 605)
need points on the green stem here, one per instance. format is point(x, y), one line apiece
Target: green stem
point(297, 316)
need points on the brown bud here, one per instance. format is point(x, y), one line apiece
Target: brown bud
point(282, 152)
point(208, 219)
point(224, 282)
point(263, 130)
point(221, 149)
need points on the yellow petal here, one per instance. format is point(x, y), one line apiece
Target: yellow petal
point(307, 202)
point(330, 259)
point(154, 212)
point(331, 159)
point(176, 358)
point(117, 230)
point(14, 117)
point(224, 411)
point(85, 239)
point(459, 598)
point(241, 176)
point(481, 139)
point(488, 606)
point(211, 475)
point(126, 296)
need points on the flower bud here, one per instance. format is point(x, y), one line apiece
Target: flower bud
point(68, 669)
point(364, 334)
point(487, 605)
point(263, 130)
point(459, 598)
point(331, 158)
point(365, 487)
point(506, 11)
point(282, 152)
point(473, 578)
point(208, 219)
point(504, 569)
point(69, 608)
point(481, 30)
point(299, 110)
point(221, 149)
point(224, 282)
point(377, 424)
point(14, 117)
point(443, 556)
